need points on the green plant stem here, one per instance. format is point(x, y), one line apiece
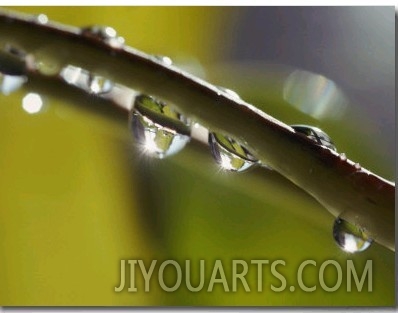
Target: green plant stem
point(363, 198)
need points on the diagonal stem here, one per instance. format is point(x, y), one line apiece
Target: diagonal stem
point(366, 199)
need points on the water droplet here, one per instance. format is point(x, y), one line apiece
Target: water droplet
point(229, 154)
point(351, 238)
point(343, 157)
point(357, 166)
point(230, 92)
point(315, 134)
point(103, 33)
point(10, 83)
point(98, 85)
point(158, 129)
point(47, 67)
point(12, 61)
point(41, 19)
point(87, 81)
point(165, 60)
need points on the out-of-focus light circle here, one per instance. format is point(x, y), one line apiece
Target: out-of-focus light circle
point(32, 103)
point(315, 95)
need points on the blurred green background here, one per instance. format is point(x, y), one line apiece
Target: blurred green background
point(76, 198)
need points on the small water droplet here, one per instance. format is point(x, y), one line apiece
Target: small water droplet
point(229, 154)
point(47, 67)
point(103, 33)
point(41, 19)
point(159, 130)
point(357, 166)
point(164, 59)
point(315, 134)
point(350, 237)
point(98, 85)
point(10, 83)
point(229, 92)
point(343, 157)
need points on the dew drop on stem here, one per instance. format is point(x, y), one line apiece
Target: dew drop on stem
point(229, 154)
point(104, 34)
point(158, 129)
point(315, 134)
point(349, 237)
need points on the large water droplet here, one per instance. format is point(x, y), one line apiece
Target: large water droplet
point(351, 238)
point(10, 83)
point(159, 130)
point(103, 33)
point(316, 134)
point(229, 154)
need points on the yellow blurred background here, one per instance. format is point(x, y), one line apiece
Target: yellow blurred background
point(75, 198)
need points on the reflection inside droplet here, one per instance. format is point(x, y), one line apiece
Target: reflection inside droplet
point(314, 95)
point(10, 83)
point(315, 134)
point(349, 237)
point(158, 129)
point(32, 103)
point(229, 154)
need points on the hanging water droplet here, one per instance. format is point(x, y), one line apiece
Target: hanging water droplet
point(46, 66)
point(165, 60)
point(12, 61)
point(98, 85)
point(103, 33)
point(351, 238)
point(315, 134)
point(87, 81)
point(10, 83)
point(229, 154)
point(158, 129)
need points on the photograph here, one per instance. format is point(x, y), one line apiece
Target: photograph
point(197, 156)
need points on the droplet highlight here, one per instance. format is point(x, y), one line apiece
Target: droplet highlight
point(315, 134)
point(229, 154)
point(349, 237)
point(158, 129)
